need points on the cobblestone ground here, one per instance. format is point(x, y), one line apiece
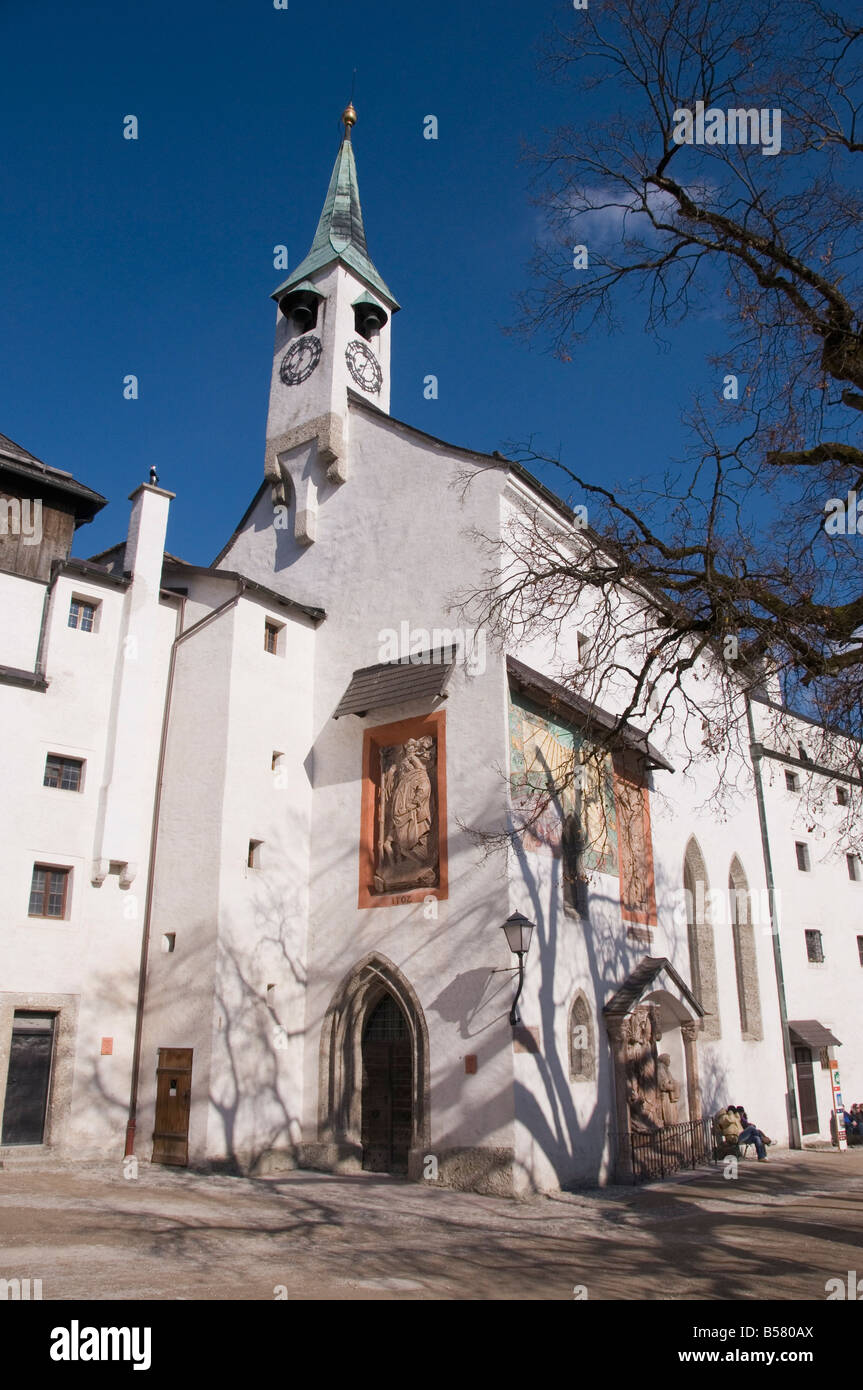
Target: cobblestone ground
point(780, 1230)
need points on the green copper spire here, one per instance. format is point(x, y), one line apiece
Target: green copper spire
point(341, 235)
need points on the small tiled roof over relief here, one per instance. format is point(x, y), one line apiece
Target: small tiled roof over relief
point(422, 677)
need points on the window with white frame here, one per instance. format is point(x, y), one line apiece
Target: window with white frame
point(82, 614)
point(65, 774)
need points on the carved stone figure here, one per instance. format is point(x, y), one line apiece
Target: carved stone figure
point(407, 852)
point(639, 1031)
point(669, 1090)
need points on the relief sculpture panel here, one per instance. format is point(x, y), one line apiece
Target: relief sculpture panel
point(406, 850)
point(403, 841)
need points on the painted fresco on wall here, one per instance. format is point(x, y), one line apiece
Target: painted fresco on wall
point(637, 894)
point(579, 821)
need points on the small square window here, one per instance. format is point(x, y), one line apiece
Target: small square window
point(853, 867)
point(272, 638)
point(82, 615)
point(860, 948)
point(802, 856)
point(584, 645)
point(841, 796)
point(792, 781)
point(814, 949)
point(48, 891)
point(169, 941)
point(254, 859)
point(63, 773)
point(277, 760)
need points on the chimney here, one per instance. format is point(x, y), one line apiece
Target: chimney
point(145, 544)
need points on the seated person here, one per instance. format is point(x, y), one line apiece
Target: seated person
point(732, 1127)
point(728, 1124)
point(745, 1122)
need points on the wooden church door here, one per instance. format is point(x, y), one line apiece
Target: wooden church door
point(387, 1117)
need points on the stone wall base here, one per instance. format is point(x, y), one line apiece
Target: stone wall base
point(490, 1171)
point(493, 1172)
point(332, 1158)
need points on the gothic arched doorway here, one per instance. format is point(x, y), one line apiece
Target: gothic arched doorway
point(387, 1119)
point(374, 1056)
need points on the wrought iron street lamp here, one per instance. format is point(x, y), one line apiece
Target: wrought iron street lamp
point(518, 934)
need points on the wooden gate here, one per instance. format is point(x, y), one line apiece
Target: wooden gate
point(29, 1079)
point(806, 1091)
point(173, 1103)
point(387, 1111)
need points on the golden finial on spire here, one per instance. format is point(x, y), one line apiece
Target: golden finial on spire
point(349, 116)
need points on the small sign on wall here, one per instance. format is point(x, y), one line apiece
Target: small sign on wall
point(107, 1047)
point(838, 1105)
point(470, 1064)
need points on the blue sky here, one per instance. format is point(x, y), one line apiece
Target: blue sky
point(155, 256)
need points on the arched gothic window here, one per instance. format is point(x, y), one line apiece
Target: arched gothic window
point(702, 950)
point(582, 1059)
point(745, 963)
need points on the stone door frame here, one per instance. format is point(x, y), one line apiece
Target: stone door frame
point(59, 1104)
point(341, 1065)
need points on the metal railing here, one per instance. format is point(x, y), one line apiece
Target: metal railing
point(645, 1155)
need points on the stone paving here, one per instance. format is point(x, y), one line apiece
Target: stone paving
point(777, 1231)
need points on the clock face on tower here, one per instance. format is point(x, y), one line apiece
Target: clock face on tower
point(363, 366)
point(300, 360)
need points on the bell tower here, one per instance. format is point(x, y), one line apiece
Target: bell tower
point(332, 334)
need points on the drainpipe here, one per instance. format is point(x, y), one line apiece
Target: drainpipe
point(154, 836)
point(791, 1092)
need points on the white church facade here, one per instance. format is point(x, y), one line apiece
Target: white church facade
point(257, 861)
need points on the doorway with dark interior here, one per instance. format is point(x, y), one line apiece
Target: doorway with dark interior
point(28, 1082)
point(387, 1088)
point(806, 1090)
